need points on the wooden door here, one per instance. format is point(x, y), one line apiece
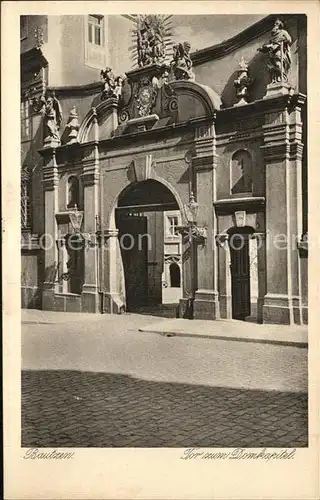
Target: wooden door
point(134, 252)
point(240, 276)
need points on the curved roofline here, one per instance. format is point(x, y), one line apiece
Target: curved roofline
point(224, 48)
point(210, 98)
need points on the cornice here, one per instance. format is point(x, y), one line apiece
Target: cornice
point(261, 106)
point(224, 48)
point(77, 90)
point(250, 204)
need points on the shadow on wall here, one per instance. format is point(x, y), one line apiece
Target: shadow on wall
point(259, 74)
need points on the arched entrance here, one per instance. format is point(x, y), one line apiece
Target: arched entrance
point(140, 222)
point(239, 245)
point(175, 277)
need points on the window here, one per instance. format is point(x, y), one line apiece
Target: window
point(23, 27)
point(95, 29)
point(25, 120)
point(241, 173)
point(73, 192)
point(25, 200)
point(172, 225)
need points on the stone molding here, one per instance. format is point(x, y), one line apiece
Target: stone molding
point(250, 204)
point(50, 173)
point(243, 38)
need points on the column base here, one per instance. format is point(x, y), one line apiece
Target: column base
point(185, 308)
point(90, 302)
point(225, 306)
point(260, 303)
point(206, 305)
point(304, 315)
point(113, 304)
point(277, 309)
point(277, 89)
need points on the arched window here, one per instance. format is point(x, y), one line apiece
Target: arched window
point(175, 279)
point(73, 192)
point(241, 172)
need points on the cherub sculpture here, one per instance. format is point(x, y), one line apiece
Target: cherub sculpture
point(112, 85)
point(181, 63)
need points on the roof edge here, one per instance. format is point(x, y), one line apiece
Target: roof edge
point(224, 48)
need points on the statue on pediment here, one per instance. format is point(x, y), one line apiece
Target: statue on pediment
point(181, 63)
point(151, 32)
point(52, 119)
point(112, 86)
point(277, 50)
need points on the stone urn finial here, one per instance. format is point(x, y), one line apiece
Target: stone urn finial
point(73, 126)
point(241, 83)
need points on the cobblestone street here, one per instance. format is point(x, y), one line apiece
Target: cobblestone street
point(107, 385)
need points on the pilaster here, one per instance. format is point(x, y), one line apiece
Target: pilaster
point(283, 156)
point(90, 180)
point(49, 238)
point(206, 304)
point(114, 285)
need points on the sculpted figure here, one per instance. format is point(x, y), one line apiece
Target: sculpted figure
point(150, 40)
point(112, 86)
point(277, 50)
point(118, 88)
point(144, 48)
point(52, 119)
point(109, 84)
point(181, 63)
point(157, 46)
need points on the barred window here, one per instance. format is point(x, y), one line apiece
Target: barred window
point(25, 201)
point(95, 29)
point(25, 120)
point(172, 226)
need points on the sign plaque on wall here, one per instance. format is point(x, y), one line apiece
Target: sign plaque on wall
point(240, 217)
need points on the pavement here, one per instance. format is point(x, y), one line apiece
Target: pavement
point(241, 331)
point(97, 381)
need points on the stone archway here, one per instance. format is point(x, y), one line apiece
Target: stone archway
point(136, 275)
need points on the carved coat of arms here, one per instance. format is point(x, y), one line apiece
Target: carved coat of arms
point(145, 97)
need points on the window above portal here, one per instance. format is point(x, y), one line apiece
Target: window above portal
point(241, 173)
point(95, 41)
point(172, 226)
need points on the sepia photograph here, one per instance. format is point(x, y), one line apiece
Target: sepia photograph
point(164, 231)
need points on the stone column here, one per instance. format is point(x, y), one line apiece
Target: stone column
point(224, 276)
point(261, 256)
point(188, 276)
point(90, 181)
point(206, 304)
point(283, 154)
point(62, 262)
point(114, 286)
point(48, 240)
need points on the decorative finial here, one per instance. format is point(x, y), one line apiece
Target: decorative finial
point(242, 82)
point(39, 36)
point(73, 126)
